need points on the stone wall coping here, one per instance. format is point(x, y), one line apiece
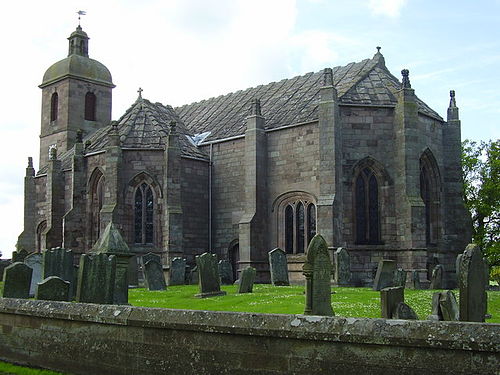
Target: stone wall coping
point(484, 337)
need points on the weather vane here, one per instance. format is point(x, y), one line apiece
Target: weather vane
point(80, 13)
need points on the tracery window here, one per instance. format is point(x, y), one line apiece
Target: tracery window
point(90, 106)
point(143, 214)
point(367, 207)
point(54, 104)
point(429, 192)
point(299, 225)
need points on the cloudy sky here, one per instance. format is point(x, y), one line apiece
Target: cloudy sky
point(180, 51)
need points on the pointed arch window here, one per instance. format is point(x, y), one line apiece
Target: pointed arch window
point(143, 215)
point(367, 208)
point(297, 216)
point(429, 192)
point(54, 104)
point(90, 106)
point(97, 201)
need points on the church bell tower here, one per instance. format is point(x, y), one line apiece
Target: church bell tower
point(76, 95)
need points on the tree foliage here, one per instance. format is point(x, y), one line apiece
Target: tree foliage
point(481, 170)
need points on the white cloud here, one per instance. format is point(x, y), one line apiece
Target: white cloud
point(390, 8)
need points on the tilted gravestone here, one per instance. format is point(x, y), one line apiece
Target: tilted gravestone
point(246, 280)
point(225, 272)
point(389, 299)
point(342, 267)
point(437, 277)
point(96, 279)
point(436, 313)
point(17, 281)
point(208, 275)
point(53, 288)
point(318, 270)
point(278, 267)
point(154, 277)
point(177, 272)
point(3, 265)
point(404, 311)
point(59, 262)
point(34, 261)
point(400, 277)
point(448, 306)
point(473, 297)
point(384, 277)
point(19, 256)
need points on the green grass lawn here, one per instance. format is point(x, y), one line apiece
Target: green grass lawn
point(10, 369)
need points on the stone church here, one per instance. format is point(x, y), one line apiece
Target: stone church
point(349, 152)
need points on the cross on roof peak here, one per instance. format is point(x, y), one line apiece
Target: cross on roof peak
point(140, 93)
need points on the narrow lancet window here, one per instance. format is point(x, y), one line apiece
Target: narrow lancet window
point(300, 228)
point(289, 229)
point(90, 106)
point(367, 208)
point(144, 215)
point(54, 104)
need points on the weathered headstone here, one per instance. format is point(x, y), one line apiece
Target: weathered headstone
point(225, 272)
point(246, 280)
point(177, 273)
point(96, 279)
point(400, 277)
point(34, 261)
point(111, 242)
point(473, 298)
point(151, 256)
point(384, 277)
point(133, 272)
point(19, 256)
point(318, 270)
point(17, 281)
point(458, 263)
point(193, 276)
point(448, 306)
point(389, 299)
point(342, 267)
point(208, 274)
point(153, 273)
point(53, 288)
point(415, 280)
point(437, 277)
point(59, 262)
point(3, 265)
point(436, 313)
point(404, 311)
point(278, 267)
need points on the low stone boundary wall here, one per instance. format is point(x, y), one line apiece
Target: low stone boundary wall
point(105, 339)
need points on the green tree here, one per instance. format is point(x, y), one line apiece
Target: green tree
point(481, 170)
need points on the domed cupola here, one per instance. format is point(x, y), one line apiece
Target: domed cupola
point(76, 95)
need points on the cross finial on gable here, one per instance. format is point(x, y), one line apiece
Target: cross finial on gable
point(378, 49)
point(140, 93)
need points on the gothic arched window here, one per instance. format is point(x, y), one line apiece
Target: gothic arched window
point(54, 104)
point(143, 214)
point(296, 222)
point(429, 192)
point(96, 203)
point(90, 106)
point(289, 229)
point(367, 208)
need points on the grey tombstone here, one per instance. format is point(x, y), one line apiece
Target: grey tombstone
point(151, 256)
point(384, 277)
point(53, 288)
point(278, 267)
point(133, 272)
point(19, 256)
point(17, 281)
point(415, 280)
point(473, 299)
point(342, 267)
point(404, 311)
point(177, 273)
point(208, 274)
point(458, 264)
point(153, 273)
point(96, 279)
point(318, 270)
point(389, 299)
point(400, 277)
point(448, 306)
point(193, 276)
point(34, 261)
point(3, 265)
point(247, 280)
point(436, 313)
point(225, 272)
point(437, 277)
point(59, 262)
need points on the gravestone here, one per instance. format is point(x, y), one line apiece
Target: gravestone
point(34, 261)
point(458, 263)
point(19, 256)
point(53, 288)
point(246, 280)
point(437, 277)
point(17, 281)
point(384, 277)
point(59, 262)
point(404, 311)
point(400, 277)
point(342, 267)
point(436, 313)
point(208, 274)
point(473, 297)
point(3, 265)
point(318, 270)
point(415, 280)
point(177, 273)
point(225, 272)
point(133, 272)
point(153, 274)
point(278, 267)
point(389, 299)
point(96, 279)
point(111, 242)
point(151, 256)
point(193, 276)
point(448, 305)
